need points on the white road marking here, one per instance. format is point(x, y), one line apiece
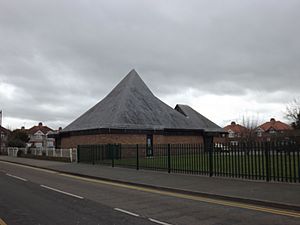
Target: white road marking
point(177, 195)
point(19, 178)
point(127, 212)
point(159, 222)
point(63, 192)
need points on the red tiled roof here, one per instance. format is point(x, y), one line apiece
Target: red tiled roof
point(276, 125)
point(40, 127)
point(236, 128)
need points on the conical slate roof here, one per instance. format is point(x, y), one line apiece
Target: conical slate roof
point(131, 105)
point(199, 121)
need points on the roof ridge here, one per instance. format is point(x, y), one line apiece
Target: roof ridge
point(131, 105)
point(129, 82)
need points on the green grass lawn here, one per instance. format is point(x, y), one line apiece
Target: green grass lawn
point(281, 166)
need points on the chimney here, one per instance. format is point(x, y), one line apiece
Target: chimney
point(22, 128)
point(272, 120)
point(40, 124)
point(233, 123)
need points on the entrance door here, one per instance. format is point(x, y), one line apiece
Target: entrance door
point(149, 145)
point(208, 143)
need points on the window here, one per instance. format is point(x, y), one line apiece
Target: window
point(50, 144)
point(38, 145)
point(230, 134)
point(259, 134)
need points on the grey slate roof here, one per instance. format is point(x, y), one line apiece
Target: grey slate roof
point(199, 121)
point(131, 105)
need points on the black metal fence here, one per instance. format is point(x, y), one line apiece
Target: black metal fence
point(259, 161)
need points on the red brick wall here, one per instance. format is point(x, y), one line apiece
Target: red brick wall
point(161, 139)
point(73, 141)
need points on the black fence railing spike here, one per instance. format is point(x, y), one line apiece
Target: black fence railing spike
point(270, 161)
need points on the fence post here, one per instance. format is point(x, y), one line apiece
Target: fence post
point(112, 148)
point(211, 166)
point(93, 154)
point(209, 147)
point(267, 156)
point(137, 157)
point(71, 155)
point(78, 154)
point(169, 158)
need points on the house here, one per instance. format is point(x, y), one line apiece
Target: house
point(54, 134)
point(235, 132)
point(272, 129)
point(38, 137)
point(132, 114)
point(3, 138)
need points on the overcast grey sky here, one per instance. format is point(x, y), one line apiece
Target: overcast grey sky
point(226, 59)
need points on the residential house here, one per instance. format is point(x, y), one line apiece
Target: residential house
point(132, 114)
point(3, 138)
point(273, 129)
point(235, 132)
point(38, 137)
point(54, 134)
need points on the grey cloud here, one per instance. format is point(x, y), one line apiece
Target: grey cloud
point(66, 55)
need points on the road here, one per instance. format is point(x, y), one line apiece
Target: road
point(37, 196)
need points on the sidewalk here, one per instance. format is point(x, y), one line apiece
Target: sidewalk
point(278, 193)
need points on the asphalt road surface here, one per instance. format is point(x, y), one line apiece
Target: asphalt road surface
point(35, 196)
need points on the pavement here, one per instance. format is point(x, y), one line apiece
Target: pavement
point(278, 195)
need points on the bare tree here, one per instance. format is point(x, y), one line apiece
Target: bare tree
point(251, 123)
point(293, 113)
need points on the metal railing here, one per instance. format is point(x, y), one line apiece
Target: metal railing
point(258, 161)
